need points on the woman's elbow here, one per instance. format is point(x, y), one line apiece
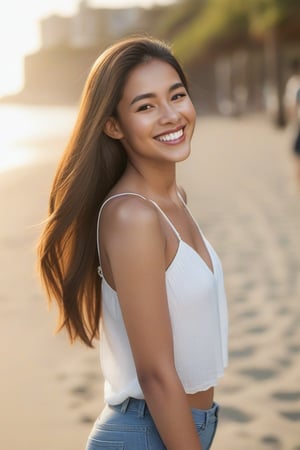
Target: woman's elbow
point(159, 379)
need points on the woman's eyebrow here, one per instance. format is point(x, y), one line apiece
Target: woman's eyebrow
point(152, 95)
point(142, 97)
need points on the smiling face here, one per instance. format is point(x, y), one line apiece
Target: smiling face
point(155, 117)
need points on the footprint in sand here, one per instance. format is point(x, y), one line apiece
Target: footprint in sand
point(284, 311)
point(295, 348)
point(259, 374)
point(286, 396)
point(284, 362)
point(230, 389)
point(234, 415)
point(82, 391)
point(249, 313)
point(293, 416)
point(249, 286)
point(257, 330)
point(240, 298)
point(242, 352)
point(272, 441)
point(87, 419)
point(293, 326)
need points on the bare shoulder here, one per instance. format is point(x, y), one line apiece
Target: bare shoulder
point(133, 239)
point(130, 214)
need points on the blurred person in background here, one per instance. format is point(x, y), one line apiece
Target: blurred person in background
point(292, 106)
point(117, 212)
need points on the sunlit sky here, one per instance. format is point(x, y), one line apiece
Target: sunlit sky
point(19, 30)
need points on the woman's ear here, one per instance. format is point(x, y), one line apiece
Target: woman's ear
point(113, 129)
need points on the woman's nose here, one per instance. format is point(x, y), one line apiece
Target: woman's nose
point(169, 113)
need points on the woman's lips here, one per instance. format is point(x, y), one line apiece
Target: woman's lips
point(170, 137)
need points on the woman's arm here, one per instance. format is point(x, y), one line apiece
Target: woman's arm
point(135, 246)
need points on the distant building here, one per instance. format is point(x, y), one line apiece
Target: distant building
point(55, 31)
point(70, 45)
point(90, 27)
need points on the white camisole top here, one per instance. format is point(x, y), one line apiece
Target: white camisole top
point(198, 311)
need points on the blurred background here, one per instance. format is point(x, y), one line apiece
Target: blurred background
point(241, 182)
point(237, 53)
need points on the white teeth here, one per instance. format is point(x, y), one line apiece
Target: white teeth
point(171, 136)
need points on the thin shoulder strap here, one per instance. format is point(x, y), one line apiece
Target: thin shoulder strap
point(98, 222)
point(190, 213)
point(181, 198)
point(167, 219)
point(121, 195)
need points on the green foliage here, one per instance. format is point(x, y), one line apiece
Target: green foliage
point(220, 19)
point(178, 16)
point(267, 14)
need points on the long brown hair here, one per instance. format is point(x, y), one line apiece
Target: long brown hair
point(91, 165)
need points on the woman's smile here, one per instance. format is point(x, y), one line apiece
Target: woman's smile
point(171, 137)
point(155, 114)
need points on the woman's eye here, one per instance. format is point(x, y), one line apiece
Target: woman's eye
point(178, 95)
point(144, 107)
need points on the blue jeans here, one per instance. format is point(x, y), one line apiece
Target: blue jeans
point(129, 426)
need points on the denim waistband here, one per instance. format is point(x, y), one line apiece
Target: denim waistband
point(140, 407)
point(206, 415)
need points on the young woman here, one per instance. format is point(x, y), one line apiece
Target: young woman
point(116, 211)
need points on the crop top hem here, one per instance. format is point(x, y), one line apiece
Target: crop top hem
point(203, 387)
point(118, 398)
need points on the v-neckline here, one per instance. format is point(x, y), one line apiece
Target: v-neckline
point(210, 269)
point(210, 266)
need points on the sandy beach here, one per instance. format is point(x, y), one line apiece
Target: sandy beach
point(239, 182)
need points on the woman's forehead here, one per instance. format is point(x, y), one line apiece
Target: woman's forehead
point(150, 76)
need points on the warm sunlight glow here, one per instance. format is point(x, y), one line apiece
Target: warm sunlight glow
point(19, 31)
point(19, 35)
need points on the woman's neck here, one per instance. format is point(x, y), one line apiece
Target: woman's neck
point(153, 182)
